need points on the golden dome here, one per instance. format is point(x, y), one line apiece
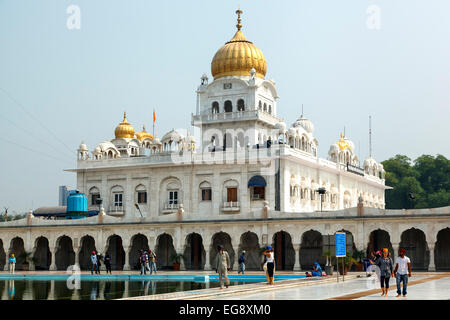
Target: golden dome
point(143, 135)
point(238, 56)
point(124, 129)
point(342, 144)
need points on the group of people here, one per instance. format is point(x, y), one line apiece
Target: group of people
point(401, 272)
point(223, 265)
point(96, 258)
point(147, 261)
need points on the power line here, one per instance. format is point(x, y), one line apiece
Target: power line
point(32, 134)
point(34, 118)
point(35, 151)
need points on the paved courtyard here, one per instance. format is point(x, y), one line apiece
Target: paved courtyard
point(429, 286)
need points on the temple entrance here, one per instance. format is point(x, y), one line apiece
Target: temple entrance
point(311, 249)
point(42, 254)
point(379, 239)
point(194, 253)
point(64, 255)
point(250, 243)
point(116, 252)
point(225, 240)
point(84, 257)
point(138, 242)
point(164, 251)
point(17, 247)
point(284, 251)
point(442, 250)
point(413, 240)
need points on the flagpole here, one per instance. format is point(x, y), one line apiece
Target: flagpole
point(153, 123)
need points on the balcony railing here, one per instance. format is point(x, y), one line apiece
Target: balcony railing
point(116, 210)
point(231, 206)
point(170, 208)
point(235, 116)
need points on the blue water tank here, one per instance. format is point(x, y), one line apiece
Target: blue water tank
point(76, 202)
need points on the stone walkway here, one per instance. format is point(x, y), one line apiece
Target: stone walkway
point(421, 286)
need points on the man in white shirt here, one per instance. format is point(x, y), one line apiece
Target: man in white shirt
point(402, 271)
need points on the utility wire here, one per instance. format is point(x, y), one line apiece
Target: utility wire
point(33, 135)
point(34, 118)
point(35, 151)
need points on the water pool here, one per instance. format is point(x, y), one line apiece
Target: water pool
point(107, 287)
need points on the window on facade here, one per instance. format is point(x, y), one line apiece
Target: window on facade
point(265, 107)
point(240, 105)
point(260, 105)
point(232, 194)
point(258, 193)
point(94, 198)
point(118, 199)
point(173, 197)
point(206, 194)
point(228, 106)
point(215, 107)
point(142, 197)
point(270, 109)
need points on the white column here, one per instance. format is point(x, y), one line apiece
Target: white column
point(126, 266)
point(235, 244)
point(53, 263)
point(297, 265)
point(431, 266)
point(77, 256)
point(206, 246)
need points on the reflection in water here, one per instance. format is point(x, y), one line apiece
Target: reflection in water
point(94, 290)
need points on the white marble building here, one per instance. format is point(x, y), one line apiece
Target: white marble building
point(247, 157)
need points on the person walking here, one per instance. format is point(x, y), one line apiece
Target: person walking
point(402, 271)
point(270, 264)
point(143, 262)
point(223, 266)
point(94, 265)
point(386, 270)
point(152, 259)
point(12, 263)
point(107, 262)
point(242, 262)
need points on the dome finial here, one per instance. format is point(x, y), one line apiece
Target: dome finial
point(239, 12)
point(124, 116)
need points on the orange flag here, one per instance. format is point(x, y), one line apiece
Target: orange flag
point(154, 116)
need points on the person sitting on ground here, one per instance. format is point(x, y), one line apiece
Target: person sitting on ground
point(317, 270)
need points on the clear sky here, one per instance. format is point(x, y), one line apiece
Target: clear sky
point(59, 86)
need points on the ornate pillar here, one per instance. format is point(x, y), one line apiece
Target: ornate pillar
point(77, 255)
point(53, 259)
point(235, 266)
point(207, 257)
point(297, 266)
point(431, 266)
point(126, 266)
point(395, 247)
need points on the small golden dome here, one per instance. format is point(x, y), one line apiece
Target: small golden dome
point(143, 135)
point(342, 144)
point(124, 129)
point(238, 56)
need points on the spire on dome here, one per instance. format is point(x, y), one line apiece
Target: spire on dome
point(239, 12)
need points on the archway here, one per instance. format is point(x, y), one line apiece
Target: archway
point(64, 255)
point(224, 239)
point(442, 250)
point(116, 252)
point(138, 242)
point(379, 239)
point(164, 251)
point(17, 247)
point(2, 256)
point(413, 240)
point(84, 257)
point(194, 253)
point(284, 251)
point(42, 254)
point(250, 243)
point(311, 249)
